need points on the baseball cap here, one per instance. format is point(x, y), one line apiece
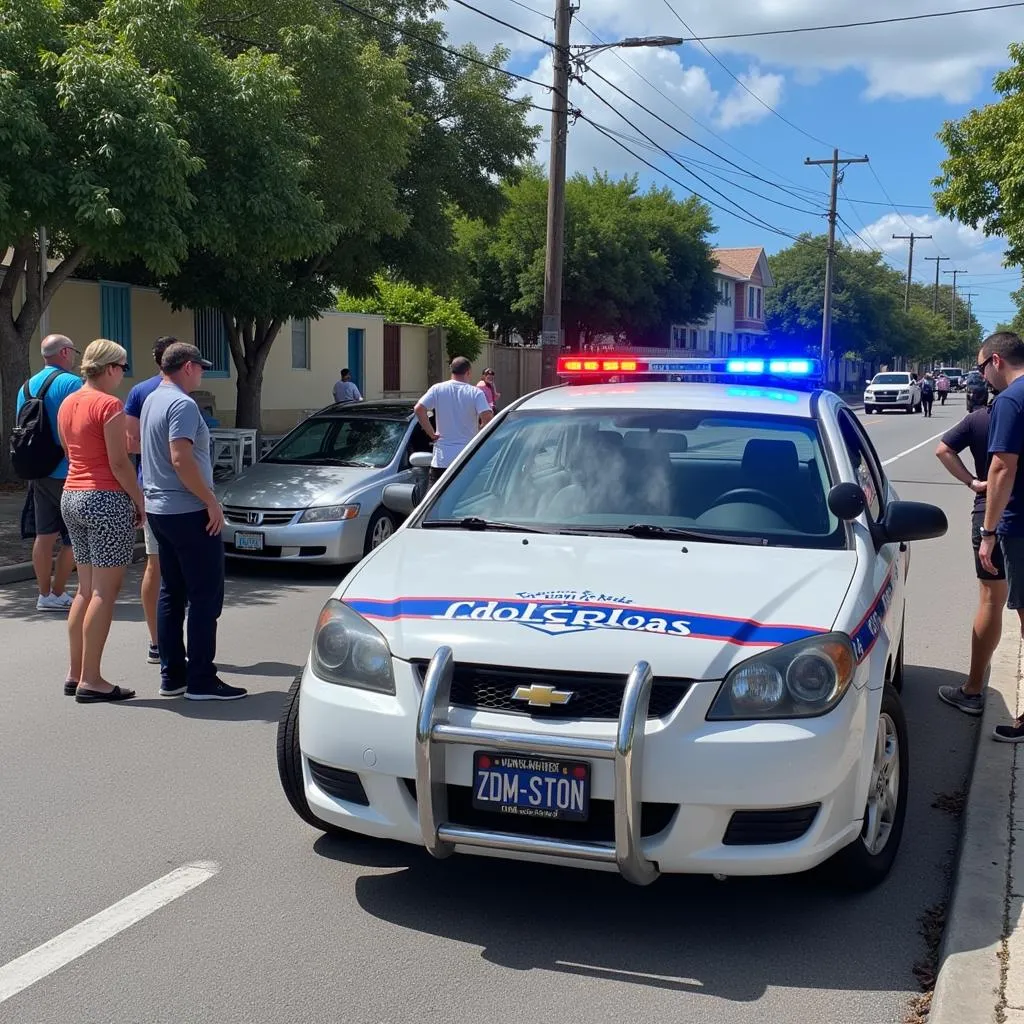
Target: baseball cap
point(177, 355)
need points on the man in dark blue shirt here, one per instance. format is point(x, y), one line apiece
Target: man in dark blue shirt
point(972, 432)
point(1001, 360)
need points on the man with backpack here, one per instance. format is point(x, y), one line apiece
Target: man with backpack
point(37, 456)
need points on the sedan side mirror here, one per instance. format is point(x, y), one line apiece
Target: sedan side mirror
point(846, 502)
point(421, 460)
point(402, 498)
point(906, 521)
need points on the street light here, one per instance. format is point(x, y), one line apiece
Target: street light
point(554, 256)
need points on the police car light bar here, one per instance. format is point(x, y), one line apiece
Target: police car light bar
point(794, 367)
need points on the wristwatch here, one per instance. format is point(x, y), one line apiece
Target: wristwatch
point(987, 533)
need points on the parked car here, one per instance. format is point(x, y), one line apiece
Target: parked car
point(316, 496)
point(892, 390)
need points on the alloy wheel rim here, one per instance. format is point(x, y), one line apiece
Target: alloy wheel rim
point(884, 788)
point(381, 531)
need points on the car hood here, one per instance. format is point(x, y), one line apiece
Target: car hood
point(593, 603)
point(276, 485)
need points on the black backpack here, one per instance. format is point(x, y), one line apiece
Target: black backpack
point(35, 452)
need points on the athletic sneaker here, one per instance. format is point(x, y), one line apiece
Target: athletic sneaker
point(170, 690)
point(54, 602)
point(154, 655)
point(220, 691)
point(1009, 733)
point(968, 703)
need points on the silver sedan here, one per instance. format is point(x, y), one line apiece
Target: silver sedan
point(316, 497)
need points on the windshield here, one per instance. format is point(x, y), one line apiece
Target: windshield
point(341, 441)
point(951, 371)
point(591, 471)
point(891, 378)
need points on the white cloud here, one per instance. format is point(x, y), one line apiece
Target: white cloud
point(748, 102)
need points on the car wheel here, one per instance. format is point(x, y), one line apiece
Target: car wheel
point(378, 530)
point(868, 410)
point(289, 763)
point(867, 860)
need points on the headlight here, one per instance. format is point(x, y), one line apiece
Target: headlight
point(329, 514)
point(348, 651)
point(799, 680)
point(905, 394)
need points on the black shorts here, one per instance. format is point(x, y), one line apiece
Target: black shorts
point(46, 495)
point(977, 521)
point(1013, 556)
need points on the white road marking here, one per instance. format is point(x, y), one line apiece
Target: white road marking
point(927, 440)
point(36, 964)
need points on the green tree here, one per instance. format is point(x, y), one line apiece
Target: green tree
point(981, 182)
point(634, 263)
point(401, 302)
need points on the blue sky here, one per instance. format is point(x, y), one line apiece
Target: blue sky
point(883, 91)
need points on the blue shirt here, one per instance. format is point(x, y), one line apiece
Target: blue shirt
point(1006, 435)
point(65, 384)
point(168, 414)
point(135, 401)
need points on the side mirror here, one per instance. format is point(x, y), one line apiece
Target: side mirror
point(846, 502)
point(906, 521)
point(421, 460)
point(401, 498)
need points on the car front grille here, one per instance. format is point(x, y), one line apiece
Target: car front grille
point(593, 695)
point(767, 828)
point(241, 515)
point(598, 828)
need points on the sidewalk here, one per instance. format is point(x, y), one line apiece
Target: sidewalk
point(981, 971)
point(13, 550)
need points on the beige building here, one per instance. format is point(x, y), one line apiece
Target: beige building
point(386, 360)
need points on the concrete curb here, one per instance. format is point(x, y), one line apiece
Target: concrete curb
point(22, 571)
point(968, 988)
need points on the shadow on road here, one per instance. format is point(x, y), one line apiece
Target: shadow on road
point(257, 707)
point(794, 931)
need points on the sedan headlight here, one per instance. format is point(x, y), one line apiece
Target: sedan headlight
point(329, 514)
point(348, 651)
point(798, 680)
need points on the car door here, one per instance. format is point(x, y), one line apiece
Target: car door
point(888, 573)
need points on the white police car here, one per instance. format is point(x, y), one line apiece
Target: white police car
point(639, 625)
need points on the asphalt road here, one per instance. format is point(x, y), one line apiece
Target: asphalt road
point(289, 926)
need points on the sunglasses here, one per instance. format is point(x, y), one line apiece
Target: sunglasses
point(123, 367)
point(983, 366)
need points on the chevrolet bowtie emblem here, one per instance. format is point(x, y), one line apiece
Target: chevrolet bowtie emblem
point(538, 696)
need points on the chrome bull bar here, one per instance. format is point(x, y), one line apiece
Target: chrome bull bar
point(433, 732)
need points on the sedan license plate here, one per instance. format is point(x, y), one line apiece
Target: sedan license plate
point(248, 541)
point(531, 786)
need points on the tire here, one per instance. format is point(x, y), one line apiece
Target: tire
point(860, 866)
point(289, 763)
point(868, 410)
point(380, 527)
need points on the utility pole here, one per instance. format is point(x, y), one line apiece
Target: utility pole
point(938, 261)
point(826, 318)
point(555, 252)
point(912, 238)
point(952, 304)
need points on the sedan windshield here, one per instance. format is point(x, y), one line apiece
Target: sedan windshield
point(341, 441)
point(654, 475)
point(892, 378)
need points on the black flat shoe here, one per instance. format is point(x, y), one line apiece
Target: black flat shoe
point(95, 697)
point(70, 687)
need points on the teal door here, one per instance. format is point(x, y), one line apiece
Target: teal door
point(356, 344)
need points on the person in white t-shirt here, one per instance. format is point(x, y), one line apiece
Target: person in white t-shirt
point(460, 409)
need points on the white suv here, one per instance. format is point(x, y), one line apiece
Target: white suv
point(895, 390)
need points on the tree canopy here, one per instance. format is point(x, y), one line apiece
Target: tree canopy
point(635, 263)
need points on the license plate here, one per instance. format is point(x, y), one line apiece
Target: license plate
point(531, 786)
point(248, 541)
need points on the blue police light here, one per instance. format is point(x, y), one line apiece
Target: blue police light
point(745, 366)
point(790, 367)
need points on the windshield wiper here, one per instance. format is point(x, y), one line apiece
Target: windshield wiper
point(476, 523)
point(645, 530)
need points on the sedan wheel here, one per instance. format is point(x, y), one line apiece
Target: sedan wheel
point(884, 789)
point(380, 527)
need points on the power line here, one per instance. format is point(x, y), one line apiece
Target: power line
point(515, 101)
point(742, 84)
point(506, 24)
point(854, 24)
point(532, 10)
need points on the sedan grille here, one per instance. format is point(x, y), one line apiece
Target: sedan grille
point(593, 695)
point(241, 515)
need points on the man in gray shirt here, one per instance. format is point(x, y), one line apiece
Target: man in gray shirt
point(345, 390)
point(187, 520)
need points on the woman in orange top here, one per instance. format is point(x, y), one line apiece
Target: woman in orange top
point(102, 507)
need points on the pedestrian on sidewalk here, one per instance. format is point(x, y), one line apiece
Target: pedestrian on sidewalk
point(103, 507)
point(346, 390)
point(1001, 360)
point(52, 385)
point(927, 394)
point(972, 433)
point(486, 385)
point(942, 386)
point(150, 591)
point(460, 409)
point(187, 520)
